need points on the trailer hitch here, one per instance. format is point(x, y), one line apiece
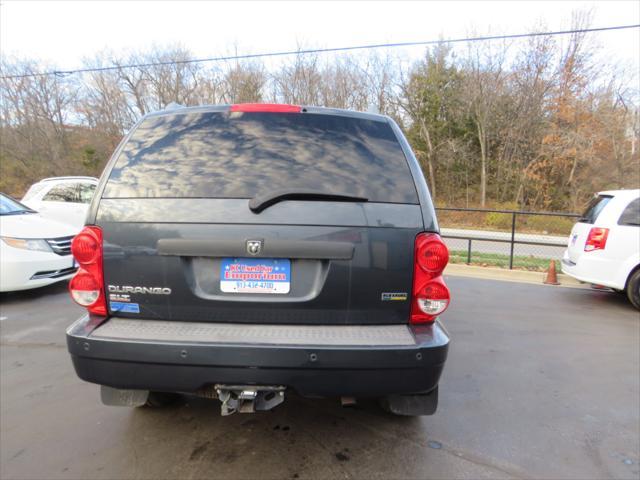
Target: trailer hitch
point(248, 398)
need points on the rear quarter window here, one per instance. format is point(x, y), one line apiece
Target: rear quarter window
point(85, 192)
point(33, 191)
point(64, 192)
point(631, 215)
point(594, 208)
point(241, 155)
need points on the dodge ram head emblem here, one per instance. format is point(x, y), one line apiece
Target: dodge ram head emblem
point(254, 247)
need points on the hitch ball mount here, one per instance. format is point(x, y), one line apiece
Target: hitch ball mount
point(248, 398)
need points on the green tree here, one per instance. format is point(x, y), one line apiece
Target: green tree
point(431, 99)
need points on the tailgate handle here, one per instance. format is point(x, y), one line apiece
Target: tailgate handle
point(272, 248)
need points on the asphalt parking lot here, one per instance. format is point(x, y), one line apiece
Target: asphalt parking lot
point(541, 382)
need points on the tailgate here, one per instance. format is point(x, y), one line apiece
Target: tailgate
point(344, 260)
point(197, 227)
point(577, 240)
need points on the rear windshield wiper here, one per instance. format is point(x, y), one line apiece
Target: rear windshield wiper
point(265, 200)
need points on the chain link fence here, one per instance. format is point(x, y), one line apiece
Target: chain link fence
point(505, 238)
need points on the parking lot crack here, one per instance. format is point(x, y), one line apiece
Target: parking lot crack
point(484, 463)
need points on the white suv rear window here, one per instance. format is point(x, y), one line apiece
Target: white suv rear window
point(631, 214)
point(594, 208)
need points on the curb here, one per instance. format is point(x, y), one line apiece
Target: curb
point(519, 276)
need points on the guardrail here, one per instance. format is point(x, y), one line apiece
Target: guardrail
point(506, 227)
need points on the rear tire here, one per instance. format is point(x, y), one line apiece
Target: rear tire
point(161, 399)
point(633, 289)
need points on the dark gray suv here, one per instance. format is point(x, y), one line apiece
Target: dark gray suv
point(238, 252)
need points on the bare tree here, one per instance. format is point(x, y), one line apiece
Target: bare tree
point(299, 81)
point(171, 77)
point(485, 77)
point(243, 82)
point(543, 125)
point(103, 103)
point(34, 119)
point(343, 84)
point(428, 97)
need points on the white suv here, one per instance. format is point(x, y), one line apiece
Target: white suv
point(604, 246)
point(65, 199)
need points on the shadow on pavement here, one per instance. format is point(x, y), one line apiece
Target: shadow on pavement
point(33, 294)
point(601, 298)
point(302, 437)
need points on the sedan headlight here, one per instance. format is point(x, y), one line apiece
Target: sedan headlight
point(27, 244)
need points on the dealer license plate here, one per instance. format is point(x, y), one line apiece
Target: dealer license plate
point(255, 275)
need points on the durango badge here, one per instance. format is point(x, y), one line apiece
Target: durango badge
point(146, 290)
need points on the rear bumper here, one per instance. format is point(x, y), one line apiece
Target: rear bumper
point(595, 270)
point(408, 363)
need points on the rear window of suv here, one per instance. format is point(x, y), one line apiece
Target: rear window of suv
point(595, 206)
point(240, 155)
point(631, 214)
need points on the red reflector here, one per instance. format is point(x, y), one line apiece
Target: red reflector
point(83, 281)
point(597, 239)
point(436, 290)
point(265, 107)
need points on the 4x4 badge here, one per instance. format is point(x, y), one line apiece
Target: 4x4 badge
point(254, 247)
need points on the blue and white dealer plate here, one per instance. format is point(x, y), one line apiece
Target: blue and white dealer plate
point(255, 275)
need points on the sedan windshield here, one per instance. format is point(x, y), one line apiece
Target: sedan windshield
point(9, 206)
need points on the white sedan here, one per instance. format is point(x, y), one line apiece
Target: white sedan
point(604, 246)
point(34, 251)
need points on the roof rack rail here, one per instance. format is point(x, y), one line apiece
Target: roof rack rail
point(173, 106)
point(71, 177)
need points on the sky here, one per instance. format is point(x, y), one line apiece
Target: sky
point(62, 33)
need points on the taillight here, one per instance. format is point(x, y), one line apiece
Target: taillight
point(431, 253)
point(430, 294)
point(597, 239)
point(85, 247)
point(265, 107)
point(87, 286)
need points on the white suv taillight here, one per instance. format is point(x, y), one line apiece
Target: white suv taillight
point(430, 294)
point(597, 239)
point(86, 287)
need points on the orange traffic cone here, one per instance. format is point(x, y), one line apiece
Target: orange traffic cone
point(552, 276)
